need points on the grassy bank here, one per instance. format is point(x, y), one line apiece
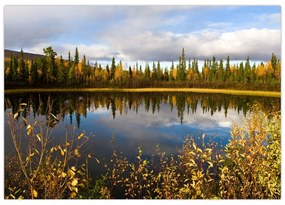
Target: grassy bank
point(194, 90)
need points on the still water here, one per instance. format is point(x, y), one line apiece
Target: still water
point(133, 119)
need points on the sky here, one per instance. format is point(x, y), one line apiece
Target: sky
point(146, 33)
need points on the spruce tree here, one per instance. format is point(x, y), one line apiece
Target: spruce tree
point(274, 64)
point(76, 57)
point(181, 73)
point(113, 68)
point(147, 72)
point(50, 60)
point(228, 70)
point(154, 72)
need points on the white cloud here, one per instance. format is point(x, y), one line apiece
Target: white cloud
point(132, 33)
point(219, 24)
point(274, 18)
point(166, 46)
point(225, 124)
point(256, 43)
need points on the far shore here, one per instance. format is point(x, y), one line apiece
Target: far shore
point(189, 90)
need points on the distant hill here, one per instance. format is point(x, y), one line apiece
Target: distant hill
point(27, 56)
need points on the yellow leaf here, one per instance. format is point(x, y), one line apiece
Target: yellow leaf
point(211, 164)
point(15, 115)
point(38, 136)
point(74, 182)
point(35, 193)
point(76, 152)
point(23, 104)
point(29, 129)
point(61, 152)
point(75, 189)
point(63, 174)
point(80, 136)
point(53, 116)
point(72, 195)
point(29, 157)
point(70, 173)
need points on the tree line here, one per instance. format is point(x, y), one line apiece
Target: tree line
point(52, 70)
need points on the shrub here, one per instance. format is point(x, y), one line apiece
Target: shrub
point(45, 170)
point(253, 168)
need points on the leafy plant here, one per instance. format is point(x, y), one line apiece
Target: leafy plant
point(254, 159)
point(45, 170)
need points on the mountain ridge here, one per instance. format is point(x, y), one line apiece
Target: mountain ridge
point(28, 56)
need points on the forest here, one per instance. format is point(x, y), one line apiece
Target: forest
point(52, 70)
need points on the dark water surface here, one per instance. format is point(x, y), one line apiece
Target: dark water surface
point(146, 119)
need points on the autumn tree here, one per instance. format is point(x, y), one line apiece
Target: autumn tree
point(9, 71)
point(261, 72)
point(206, 71)
point(119, 72)
point(195, 70)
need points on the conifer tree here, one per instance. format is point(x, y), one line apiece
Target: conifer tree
point(181, 72)
point(113, 68)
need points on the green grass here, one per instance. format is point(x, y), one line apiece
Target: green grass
point(194, 90)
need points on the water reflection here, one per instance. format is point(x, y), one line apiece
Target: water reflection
point(78, 105)
point(145, 119)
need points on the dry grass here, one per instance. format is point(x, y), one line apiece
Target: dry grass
point(193, 90)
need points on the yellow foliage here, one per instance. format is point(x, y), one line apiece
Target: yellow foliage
point(80, 66)
point(268, 67)
point(174, 73)
point(119, 71)
point(74, 182)
point(206, 71)
point(35, 193)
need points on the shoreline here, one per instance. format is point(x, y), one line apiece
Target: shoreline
point(188, 90)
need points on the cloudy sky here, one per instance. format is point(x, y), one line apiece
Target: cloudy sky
point(146, 33)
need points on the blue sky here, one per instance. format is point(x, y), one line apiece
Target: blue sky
point(146, 33)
